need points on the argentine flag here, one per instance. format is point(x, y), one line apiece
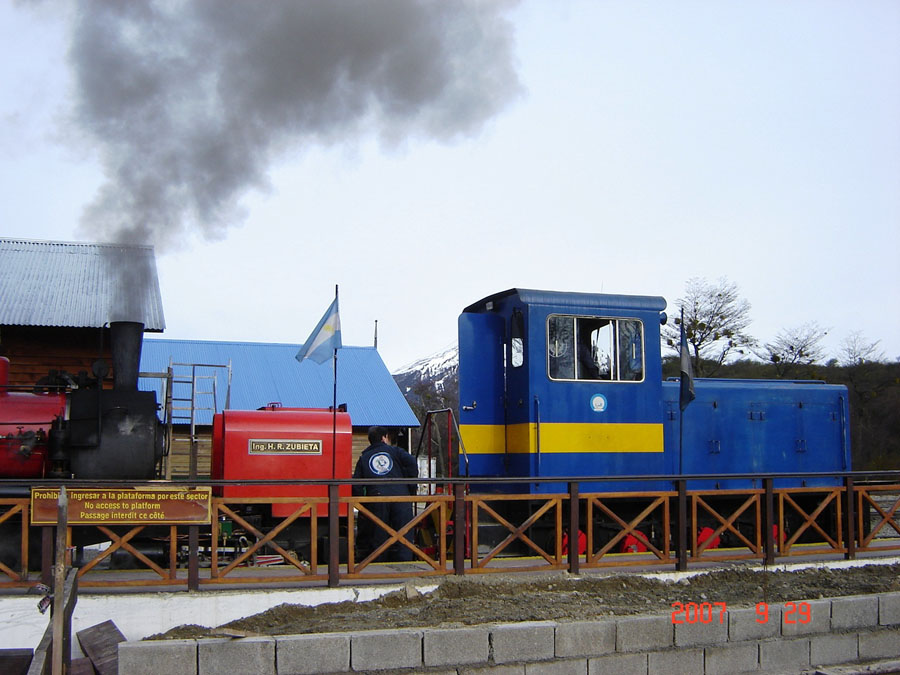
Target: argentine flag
point(325, 338)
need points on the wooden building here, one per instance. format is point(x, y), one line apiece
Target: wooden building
point(57, 300)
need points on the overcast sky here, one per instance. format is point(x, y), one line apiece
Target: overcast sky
point(425, 157)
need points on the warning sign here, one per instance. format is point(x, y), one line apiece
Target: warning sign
point(131, 506)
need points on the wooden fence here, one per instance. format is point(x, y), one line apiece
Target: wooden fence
point(460, 529)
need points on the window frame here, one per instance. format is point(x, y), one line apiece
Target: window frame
point(615, 363)
point(517, 332)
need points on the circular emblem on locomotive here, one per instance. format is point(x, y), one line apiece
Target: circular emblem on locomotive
point(598, 403)
point(381, 463)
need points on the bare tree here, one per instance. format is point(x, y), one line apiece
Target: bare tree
point(715, 321)
point(857, 350)
point(794, 347)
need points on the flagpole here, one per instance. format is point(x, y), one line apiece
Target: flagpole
point(334, 406)
point(324, 342)
point(681, 405)
point(681, 484)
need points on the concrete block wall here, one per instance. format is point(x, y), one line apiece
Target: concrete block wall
point(838, 631)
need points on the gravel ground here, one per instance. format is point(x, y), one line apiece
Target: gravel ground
point(487, 599)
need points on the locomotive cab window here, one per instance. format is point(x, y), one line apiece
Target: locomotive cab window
point(595, 348)
point(517, 342)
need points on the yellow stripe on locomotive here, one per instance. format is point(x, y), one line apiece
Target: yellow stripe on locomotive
point(486, 439)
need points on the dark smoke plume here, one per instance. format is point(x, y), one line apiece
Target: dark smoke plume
point(189, 102)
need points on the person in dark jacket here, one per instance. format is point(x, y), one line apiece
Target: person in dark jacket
point(383, 460)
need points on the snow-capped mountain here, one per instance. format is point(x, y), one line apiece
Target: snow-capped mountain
point(439, 369)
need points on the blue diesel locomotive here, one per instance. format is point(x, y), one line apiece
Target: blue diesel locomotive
point(555, 384)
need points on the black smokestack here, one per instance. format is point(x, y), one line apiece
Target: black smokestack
point(189, 102)
point(126, 340)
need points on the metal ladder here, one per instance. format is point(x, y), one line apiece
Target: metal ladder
point(189, 391)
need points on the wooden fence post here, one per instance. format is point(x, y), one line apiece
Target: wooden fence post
point(334, 548)
point(769, 521)
point(459, 529)
point(574, 529)
point(61, 656)
point(681, 541)
point(850, 511)
point(47, 555)
point(194, 557)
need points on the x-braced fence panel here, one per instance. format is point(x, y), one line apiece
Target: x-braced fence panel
point(621, 517)
point(530, 532)
point(878, 511)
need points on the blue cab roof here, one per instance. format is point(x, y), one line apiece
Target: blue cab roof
point(583, 301)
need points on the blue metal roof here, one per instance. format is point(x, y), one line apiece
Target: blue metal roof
point(264, 373)
point(52, 283)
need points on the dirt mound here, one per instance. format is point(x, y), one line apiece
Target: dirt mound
point(470, 600)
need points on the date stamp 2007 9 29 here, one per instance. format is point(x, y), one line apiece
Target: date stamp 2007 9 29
point(707, 612)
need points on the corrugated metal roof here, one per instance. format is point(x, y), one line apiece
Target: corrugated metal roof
point(264, 373)
point(49, 283)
